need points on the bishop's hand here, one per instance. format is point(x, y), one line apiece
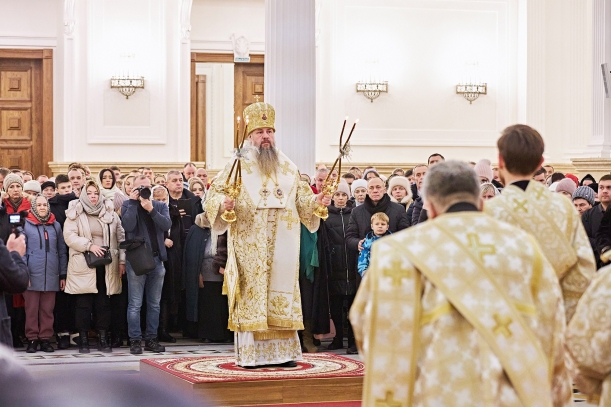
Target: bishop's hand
point(228, 204)
point(322, 199)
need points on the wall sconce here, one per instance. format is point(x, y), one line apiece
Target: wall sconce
point(471, 91)
point(127, 85)
point(372, 90)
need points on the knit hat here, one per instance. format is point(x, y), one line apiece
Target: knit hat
point(574, 178)
point(47, 184)
point(586, 193)
point(32, 186)
point(484, 169)
point(343, 187)
point(358, 183)
point(566, 185)
point(398, 181)
point(11, 179)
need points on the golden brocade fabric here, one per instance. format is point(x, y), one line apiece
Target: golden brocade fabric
point(262, 271)
point(463, 310)
point(552, 219)
point(588, 339)
point(253, 352)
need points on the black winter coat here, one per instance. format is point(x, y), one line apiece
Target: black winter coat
point(418, 204)
point(360, 219)
point(591, 220)
point(172, 281)
point(59, 206)
point(13, 280)
point(343, 274)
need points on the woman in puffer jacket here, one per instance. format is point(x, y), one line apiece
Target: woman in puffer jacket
point(91, 225)
point(46, 259)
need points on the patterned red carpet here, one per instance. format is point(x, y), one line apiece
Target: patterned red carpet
point(210, 369)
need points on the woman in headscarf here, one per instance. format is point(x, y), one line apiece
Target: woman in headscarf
point(46, 259)
point(92, 225)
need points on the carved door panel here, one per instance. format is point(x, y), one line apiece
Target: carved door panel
point(21, 115)
point(248, 87)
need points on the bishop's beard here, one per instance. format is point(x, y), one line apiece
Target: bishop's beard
point(267, 160)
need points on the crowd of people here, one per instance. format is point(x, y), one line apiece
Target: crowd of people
point(79, 212)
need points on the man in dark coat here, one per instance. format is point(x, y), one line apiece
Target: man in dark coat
point(14, 279)
point(593, 222)
point(376, 201)
point(59, 203)
point(64, 303)
point(417, 206)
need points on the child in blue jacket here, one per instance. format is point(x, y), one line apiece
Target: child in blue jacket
point(379, 228)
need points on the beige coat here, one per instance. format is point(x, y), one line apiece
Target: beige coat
point(77, 234)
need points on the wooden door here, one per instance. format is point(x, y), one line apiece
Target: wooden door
point(24, 143)
point(248, 87)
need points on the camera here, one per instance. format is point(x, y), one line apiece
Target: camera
point(145, 192)
point(17, 220)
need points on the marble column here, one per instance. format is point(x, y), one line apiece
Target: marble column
point(600, 143)
point(290, 77)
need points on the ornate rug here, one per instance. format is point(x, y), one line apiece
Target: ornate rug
point(211, 369)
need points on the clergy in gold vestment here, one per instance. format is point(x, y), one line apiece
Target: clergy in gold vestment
point(550, 218)
point(262, 271)
point(588, 339)
point(462, 310)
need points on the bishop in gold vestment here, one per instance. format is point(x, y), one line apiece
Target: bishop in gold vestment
point(554, 222)
point(588, 339)
point(463, 310)
point(262, 271)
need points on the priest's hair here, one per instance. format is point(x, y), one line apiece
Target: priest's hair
point(267, 160)
point(450, 182)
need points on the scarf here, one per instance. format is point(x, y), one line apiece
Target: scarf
point(110, 193)
point(380, 207)
point(15, 204)
point(43, 220)
point(101, 210)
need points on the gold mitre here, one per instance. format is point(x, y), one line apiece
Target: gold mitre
point(259, 115)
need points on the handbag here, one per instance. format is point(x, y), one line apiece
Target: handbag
point(94, 261)
point(139, 255)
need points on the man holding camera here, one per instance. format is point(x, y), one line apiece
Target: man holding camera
point(13, 279)
point(148, 220)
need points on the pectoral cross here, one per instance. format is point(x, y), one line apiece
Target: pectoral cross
point(247, 166)
point(389, 401)
point(285, 168)
point(480, 249)
point(502, 325)
point(519, 205)
point(289, 219)
point(396, 272)
point(257, 97)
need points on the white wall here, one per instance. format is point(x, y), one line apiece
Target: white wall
point(535, 56)
point(30, 23)
point(99, 123)
point(214, 21)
